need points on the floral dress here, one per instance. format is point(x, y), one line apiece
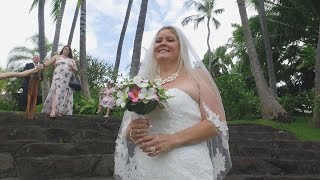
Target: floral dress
point(60, 88)
point(108, 100)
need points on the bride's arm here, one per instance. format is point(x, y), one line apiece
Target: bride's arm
point(197, 133)
point(166, 142)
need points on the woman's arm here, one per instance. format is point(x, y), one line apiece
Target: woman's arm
point(51, 61)
point(19, 74)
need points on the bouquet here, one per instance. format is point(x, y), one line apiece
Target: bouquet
point(140, 95)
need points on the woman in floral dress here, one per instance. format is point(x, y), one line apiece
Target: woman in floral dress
point(60, 98)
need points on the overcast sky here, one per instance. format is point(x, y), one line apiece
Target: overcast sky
point(104, 22)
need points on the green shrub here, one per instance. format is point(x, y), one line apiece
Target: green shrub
point(117, 113)
point(298, 102)
point(85, 106)
point(7, 105)
point(239, 101)
point(39, 108)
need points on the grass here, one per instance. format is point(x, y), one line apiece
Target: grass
point(301, 127)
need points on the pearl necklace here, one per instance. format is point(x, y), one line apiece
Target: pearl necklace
point(171, 78)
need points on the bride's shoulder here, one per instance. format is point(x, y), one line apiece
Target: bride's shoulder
point(199, 72)
point(201, 75)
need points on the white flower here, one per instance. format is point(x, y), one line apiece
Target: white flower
point(148, 94)
point(121, 98)
point(141, 83)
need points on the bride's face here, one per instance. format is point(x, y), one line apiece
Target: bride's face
point(167, 47)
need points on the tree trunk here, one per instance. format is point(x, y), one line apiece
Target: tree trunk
point(271, 109)
point(135, 63)
point(267, 45)
point(119, 49)
point(74, 22)
point(58, 28)
point(316, 110)
point(83, 53)
point(42, 48)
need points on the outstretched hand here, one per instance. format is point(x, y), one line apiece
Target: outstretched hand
point(40, 67)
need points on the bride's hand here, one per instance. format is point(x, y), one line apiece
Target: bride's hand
point(137, 129)
point(156, 144)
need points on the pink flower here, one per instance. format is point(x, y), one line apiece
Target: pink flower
point(134, 94)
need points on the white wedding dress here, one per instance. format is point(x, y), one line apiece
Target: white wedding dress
point(186, 162)
point(190, 162)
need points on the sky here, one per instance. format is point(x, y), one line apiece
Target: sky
point(104, 22)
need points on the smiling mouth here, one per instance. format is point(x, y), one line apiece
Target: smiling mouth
point(163, 50)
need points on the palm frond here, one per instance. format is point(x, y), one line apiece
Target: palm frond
point(190, 18)
point(218, 11)
point(216, 23)
point(34, 4)
point(19, 57)
point(56, 4)
point(189, 3)
point(197, 21)
point(19, 49)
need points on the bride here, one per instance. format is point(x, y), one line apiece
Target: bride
point(189, 138)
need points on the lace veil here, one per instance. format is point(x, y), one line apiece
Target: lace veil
point(210, 104)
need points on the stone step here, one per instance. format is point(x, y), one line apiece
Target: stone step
point(251, 128)
point(68, 122)
point(282, 144)
point(69, 178)
point(81, 178)
point(67, 149)
point(13, 145)
point(261, 136)
point(276, 153)
point(7, 168)
point(264, 166)
point(56, 166)
point(60, 135)
point(273, 177)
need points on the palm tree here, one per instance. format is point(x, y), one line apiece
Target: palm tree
point(271, 109)
point(42, 50)
point(41, 25)
point(316, 110)
point(123, 32)
point(135, 63)
point(58, 11)
point(206, 11)
point(83, 53)
point(267, 45)
point(74, 22)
